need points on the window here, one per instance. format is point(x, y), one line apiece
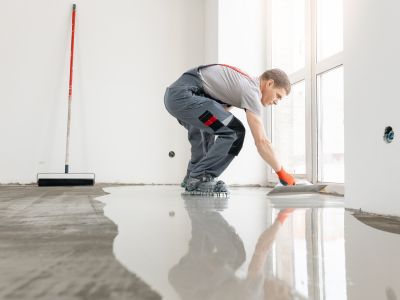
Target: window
point(290, 120)
point(288, 42)
point(330, 126)
point(329, 28)
point(305, 39)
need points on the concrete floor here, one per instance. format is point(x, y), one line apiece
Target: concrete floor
point(56, 243)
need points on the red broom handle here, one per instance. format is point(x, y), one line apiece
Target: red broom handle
point(71, 63)
point(71, 67)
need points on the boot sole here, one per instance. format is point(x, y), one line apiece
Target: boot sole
point(206, 194)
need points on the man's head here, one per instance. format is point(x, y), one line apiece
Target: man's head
point(274, 85)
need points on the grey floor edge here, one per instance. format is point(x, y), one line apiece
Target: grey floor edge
point(56, 243)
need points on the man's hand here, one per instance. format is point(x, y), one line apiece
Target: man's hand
point(285, 178)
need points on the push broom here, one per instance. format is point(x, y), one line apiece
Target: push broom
point(66, 178)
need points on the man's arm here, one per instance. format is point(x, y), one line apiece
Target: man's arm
point(265, 149)
point(264, 146)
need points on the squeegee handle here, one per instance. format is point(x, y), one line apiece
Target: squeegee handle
point(71, 69)
point(71, 62)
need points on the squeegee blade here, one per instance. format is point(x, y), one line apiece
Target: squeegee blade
point(65, 179)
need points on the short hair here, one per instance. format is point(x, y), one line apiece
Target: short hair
point(280, 78)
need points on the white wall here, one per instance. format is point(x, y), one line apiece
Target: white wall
point(127, 52)
point(371, 67)
point(211, 31)
point(242, 42)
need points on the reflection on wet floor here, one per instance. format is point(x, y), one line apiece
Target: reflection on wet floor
point(250, 246)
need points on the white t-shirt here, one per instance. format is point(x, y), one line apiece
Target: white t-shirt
point(233, 87)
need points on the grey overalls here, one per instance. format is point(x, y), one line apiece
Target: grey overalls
point(204, 118)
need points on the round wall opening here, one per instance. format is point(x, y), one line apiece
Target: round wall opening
point(388, 136)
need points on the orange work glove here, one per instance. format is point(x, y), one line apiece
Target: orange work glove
point(285, 178)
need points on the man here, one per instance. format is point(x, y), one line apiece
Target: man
point(200, 99)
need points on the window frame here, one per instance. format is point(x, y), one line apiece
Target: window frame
point(309, 74)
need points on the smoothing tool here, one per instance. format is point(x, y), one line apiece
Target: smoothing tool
point(302, 187)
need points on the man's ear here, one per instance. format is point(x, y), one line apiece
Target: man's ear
point(270, 83)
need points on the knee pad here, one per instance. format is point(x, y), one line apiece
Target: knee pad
point(240, 131)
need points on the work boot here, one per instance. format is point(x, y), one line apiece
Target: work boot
point(204, 183)
point(184, 181)
point(221, 187)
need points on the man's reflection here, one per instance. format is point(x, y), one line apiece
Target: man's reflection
point(215, 253)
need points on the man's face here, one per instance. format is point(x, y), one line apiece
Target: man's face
point(271, 94)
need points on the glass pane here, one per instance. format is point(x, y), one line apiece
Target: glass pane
point(288, 36)
point(288, 130)
point(331, 127)
point(329, 28)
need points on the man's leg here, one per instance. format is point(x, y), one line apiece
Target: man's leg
point(209, 116)
point(212, 119)
point(208, 140)
point(227, 145)
point(200, 142)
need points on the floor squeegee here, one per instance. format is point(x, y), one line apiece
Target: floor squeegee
point(66, 178)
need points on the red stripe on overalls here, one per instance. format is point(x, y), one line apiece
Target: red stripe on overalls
point(228, 66)
point(210, 121)
point(236, 69)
